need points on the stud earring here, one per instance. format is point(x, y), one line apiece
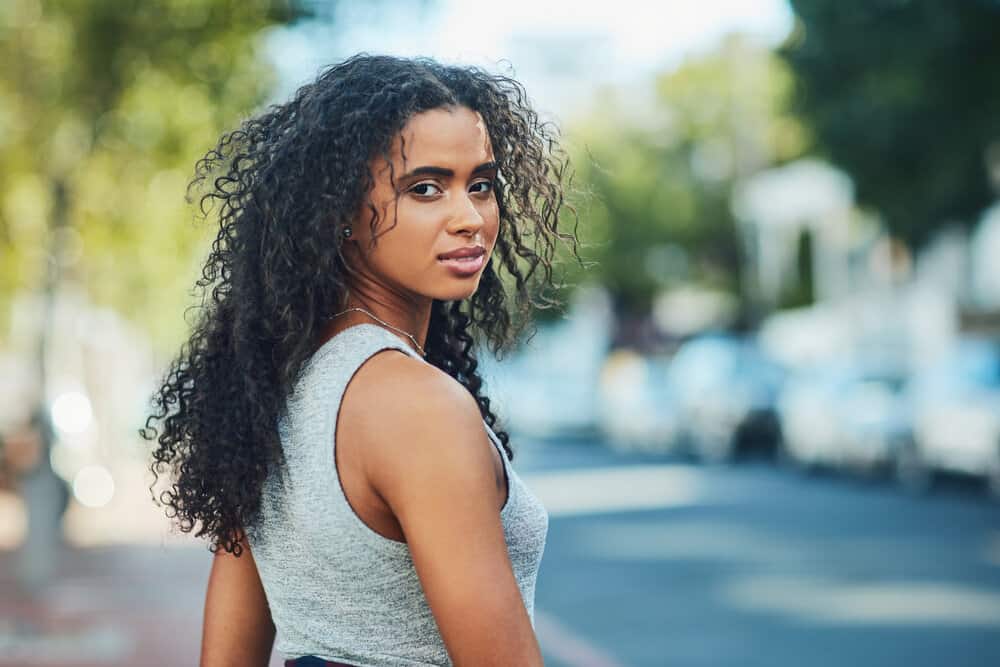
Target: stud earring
point(347, 232)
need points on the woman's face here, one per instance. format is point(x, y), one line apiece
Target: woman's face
point(442, 201)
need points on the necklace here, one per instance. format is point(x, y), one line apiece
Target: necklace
point(385, 324)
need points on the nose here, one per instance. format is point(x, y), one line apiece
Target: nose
point(466, 219)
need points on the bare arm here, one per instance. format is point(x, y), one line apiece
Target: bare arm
point(237, 631)
point(428, 456)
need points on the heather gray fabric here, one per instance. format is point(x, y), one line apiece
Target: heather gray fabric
point(336, 588)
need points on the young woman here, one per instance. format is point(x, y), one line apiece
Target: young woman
point(325, 425)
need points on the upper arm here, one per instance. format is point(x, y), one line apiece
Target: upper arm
point(237, 627)
point(428, 456)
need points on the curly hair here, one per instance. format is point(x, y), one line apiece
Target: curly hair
point(283, 186)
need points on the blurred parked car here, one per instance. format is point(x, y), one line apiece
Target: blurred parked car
point(725, 389)
point(849, 416)
point(637, 410)
point(957, 418)
point(549, 387)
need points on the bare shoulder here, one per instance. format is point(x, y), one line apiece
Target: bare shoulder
point(393, 391)
point(403, 408)
point(420, 433)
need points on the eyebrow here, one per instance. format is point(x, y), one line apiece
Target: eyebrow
point(442, 171)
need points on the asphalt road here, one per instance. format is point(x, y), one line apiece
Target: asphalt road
point(755, 565)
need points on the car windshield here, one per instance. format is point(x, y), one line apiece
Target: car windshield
point(705, 360)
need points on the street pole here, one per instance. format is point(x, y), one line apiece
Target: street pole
point(42, 490)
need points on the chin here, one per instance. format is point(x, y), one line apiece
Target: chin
point(456, 292)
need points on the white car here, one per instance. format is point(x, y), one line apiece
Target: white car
point(845, 416)
point(637, 411)
point(725, 390)
point(957, 417)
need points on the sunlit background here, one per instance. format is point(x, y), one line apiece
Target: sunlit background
point(766, 424)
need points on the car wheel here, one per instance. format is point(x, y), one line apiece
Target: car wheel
point(714, 449)
point(783, 454)
point(911, 471)
point(793, 460)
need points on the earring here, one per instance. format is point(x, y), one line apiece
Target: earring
point(347, 232)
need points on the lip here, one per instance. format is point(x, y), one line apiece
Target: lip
point(468, 251)
point(464, 262)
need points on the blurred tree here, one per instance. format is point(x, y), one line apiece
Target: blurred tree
point(660, 165)
point(104, 107)
point(903, 96)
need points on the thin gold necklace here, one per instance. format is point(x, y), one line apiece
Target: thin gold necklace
point(385, 324)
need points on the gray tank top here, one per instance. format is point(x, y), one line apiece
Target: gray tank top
point(336, 588)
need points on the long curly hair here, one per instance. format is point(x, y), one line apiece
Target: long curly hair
point(283, 186)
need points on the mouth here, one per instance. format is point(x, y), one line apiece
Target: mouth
point(464, 262)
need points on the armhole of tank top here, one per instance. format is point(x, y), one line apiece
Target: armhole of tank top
point(393, 343)
point(507, 468)
point(361, 528)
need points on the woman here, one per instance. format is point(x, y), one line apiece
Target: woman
point(325, 424)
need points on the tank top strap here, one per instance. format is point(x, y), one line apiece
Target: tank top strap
point(310, 450)
point(353, 346)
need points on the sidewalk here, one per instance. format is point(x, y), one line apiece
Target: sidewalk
point(108, 607)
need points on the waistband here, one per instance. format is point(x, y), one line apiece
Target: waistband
point(313, 661)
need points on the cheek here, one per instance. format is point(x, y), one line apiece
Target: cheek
point(492, 228)
point(407, 244)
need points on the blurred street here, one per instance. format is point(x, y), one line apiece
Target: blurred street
point(123, 605)
point(763, 566)
point(762, 407)
point(648, 562)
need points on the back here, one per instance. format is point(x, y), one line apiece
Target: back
point(336, 588)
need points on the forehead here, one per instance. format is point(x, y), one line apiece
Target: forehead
point(453, 137)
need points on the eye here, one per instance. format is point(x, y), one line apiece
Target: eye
point(420, 189)
point(487, 189)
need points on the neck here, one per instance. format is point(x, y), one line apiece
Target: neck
point(404, 315)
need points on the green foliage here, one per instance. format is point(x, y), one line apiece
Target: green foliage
point(113, 101)
point(903, 96)
point(660, 166)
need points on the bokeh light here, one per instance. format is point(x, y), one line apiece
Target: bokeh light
point(93, 486)
point(71, 412)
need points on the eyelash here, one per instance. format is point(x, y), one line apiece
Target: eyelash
point(418, 185)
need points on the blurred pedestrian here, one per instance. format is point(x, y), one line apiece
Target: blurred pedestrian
point(325, 423)
point(46, 497)
point(20, 452)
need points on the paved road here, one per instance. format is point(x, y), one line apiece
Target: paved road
point(648, 562)
point(753, 565)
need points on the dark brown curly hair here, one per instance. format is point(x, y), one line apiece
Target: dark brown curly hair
point(283, 186)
